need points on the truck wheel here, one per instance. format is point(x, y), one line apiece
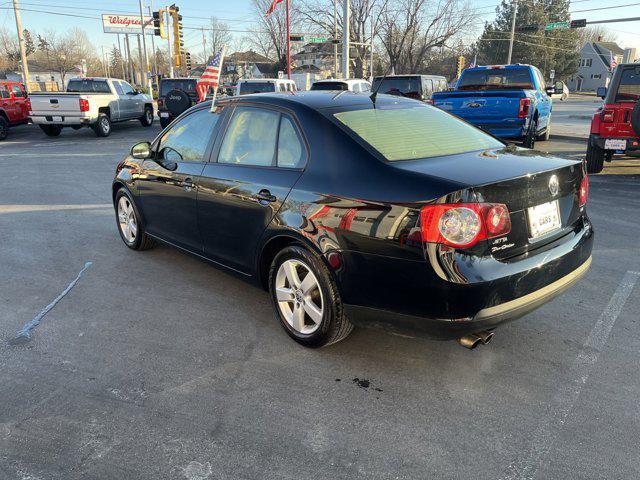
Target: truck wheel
point(530, 140)
point(51, 130)
point(147, 119)
point(547, 133)
point(4, 128)
point(595, 158)
point(103, 126)
point(164, 122)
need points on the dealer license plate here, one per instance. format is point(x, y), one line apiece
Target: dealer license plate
point(544, 218)
point(56, 119)
point(164, 114)
point(615, 144)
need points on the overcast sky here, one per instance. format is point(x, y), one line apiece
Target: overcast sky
point(239, 15)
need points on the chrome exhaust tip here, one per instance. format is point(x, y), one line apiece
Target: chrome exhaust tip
point(470, 341)
point(485, 337)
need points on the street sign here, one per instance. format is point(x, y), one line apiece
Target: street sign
point(114, 23)
point(552, 74)
point(557, 26)
point(317, 39)
point(296, 38)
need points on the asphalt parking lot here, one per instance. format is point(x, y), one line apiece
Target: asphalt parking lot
point(156, 365)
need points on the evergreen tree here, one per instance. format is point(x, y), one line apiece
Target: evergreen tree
point(547, 50)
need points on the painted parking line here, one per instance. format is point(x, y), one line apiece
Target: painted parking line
point(563, 402)
point(24, 335)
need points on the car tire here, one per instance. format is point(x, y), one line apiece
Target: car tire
point(529, 140)
point(128, 216)
point(164, 122)
point(547, 133)
point(102, 127)
point(327, 322)
point(4, 128)
point(51, 130)
point(595, 158)
point(147, 118)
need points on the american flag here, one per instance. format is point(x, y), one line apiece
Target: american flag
point(613, 62)
point(272, 7)
point(211, 76)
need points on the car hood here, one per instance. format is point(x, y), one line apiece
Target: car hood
point(486, 166)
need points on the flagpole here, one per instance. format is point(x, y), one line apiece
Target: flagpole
point(215, 89)
point(288, 43)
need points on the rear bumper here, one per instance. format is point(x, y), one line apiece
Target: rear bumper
point(62, 120)
point(633, 144)
point(409, 300)
point(506, 132)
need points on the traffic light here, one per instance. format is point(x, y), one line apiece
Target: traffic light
point(158, 24)
point(178, 44)
point(187, 60)
point(578, 23)
point(460, 66)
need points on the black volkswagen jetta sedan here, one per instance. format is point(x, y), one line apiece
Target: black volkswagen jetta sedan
point(394, 214)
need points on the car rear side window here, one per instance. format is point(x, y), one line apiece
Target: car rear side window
point(4, 92)
point(629, 88)
point(187, 139)
point(291, 150)
point(414, 132)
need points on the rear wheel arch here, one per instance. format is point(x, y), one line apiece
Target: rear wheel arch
point(106, 111)
point(273, 246)
point(3, 114)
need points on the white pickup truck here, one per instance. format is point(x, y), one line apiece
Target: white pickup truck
point(90, 102)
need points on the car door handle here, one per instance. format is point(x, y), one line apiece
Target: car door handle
point(187, 184)
point(265, 196)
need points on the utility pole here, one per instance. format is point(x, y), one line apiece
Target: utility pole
point(169, 43)
point(122, 60)
point(513, 30)
point(288, 41)
point(346, 20)
point(335, 39)
point(132, 75)
point(23, 52)
point(141, 59)
point(145, 68)
point(371, 53)
point(104, 63)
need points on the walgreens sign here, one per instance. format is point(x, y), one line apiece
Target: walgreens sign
point(112, 23)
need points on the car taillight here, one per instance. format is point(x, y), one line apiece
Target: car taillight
point(523, 110)
point(84, 105)
point(584, 190)
point(28, 105)
point(607, 115)
point(462, 225)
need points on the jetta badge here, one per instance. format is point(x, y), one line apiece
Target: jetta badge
point(554, 185)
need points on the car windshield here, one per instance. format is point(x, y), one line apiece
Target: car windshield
point(629, 88)
point(188, 86)
point(88, 86)
point(416, 131)
point(329, 86)
point(496, 79)
point(408, 86)
point(256, 87)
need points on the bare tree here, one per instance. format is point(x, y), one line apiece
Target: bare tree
point(595, 33)
point(64, 53)
point(270, 39)
point(10, 49)
point(219, 35)
point(410, 29)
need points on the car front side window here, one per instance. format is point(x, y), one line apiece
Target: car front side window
point(126, 88)
point(251, 138)
point(118, 88)
point(187, 139)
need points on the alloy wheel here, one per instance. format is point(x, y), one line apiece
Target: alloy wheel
point(127, 220)
point(106, 126)
point(299, 296)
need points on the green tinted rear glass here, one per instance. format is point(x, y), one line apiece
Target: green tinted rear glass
point(415, 132)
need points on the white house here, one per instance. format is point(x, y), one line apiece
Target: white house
point(595, 65)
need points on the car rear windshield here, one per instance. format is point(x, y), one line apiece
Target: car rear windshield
point(496, 79)
point(188, 86)
point(256, 87)
point(629, 88)
point(418, 131)
point(88, 86)
point(330, 86)
point(411, 86)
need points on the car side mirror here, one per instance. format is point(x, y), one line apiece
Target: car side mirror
point(141, 151)
point(601, 92)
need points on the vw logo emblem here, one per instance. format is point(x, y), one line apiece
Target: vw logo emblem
point(554, 185)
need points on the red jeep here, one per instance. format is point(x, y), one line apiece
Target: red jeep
point(14, 106)
point(615, 127)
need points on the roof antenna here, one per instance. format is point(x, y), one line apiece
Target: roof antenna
point(374, 94)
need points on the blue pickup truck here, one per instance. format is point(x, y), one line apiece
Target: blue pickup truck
point(508, 101)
